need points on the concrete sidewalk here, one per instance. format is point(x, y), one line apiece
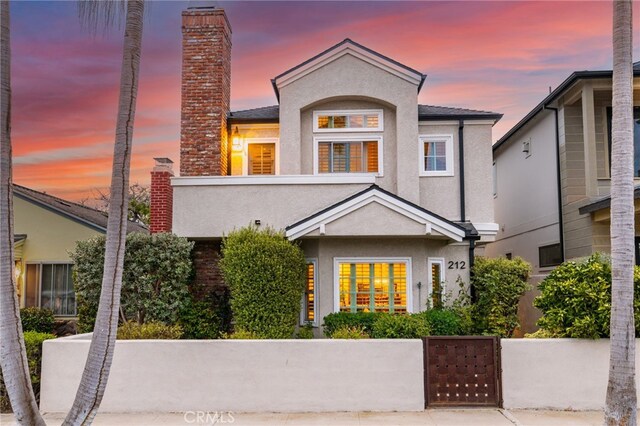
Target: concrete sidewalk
point(449, 417)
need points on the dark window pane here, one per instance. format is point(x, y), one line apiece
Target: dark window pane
point(636, 139)
point(32, 283)
point(550, 255)
point(46, 289)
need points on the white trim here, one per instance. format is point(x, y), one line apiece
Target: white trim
point(303, 321)
point(448, 140)
point(336, 276)
point(323, 179)
point(353, 50)
point(430, 262)
point(347, 112)
point(455, 122)
point(245, 154)
point(487, 229)
point(383, 199)
point(349, 138)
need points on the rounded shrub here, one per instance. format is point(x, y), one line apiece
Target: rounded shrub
point(349, 332)
point(131, 330)
point(242, 335)
point(157, 271)
point(339, 320)
point(499, 284)
point(575, 299)
point(199, 320)
point(266, 275)
point(40, 320)
point(442, 322)
point(390, 326)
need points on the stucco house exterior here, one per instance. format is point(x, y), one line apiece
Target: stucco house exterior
point(46, 228)
point(390, 200)
point(552, 178)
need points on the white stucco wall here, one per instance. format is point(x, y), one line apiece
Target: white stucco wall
point(242, 375)
point(556, 373)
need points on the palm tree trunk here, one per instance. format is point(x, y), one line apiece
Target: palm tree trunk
point(96, 371)
point(13, 355)
point(621, 392)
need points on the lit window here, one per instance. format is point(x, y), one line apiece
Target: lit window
point(372, 287)
point(436, 156)
point(309, 302)
point(262, 159)
point(50, 286)
point(347, 121)
point(348, 157)
point(436, 281)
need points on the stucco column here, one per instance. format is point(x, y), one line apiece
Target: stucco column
point(408, 150)
point(589, 134)
point(290, 149)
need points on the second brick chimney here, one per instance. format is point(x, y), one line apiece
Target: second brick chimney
point(206, 90)
point(161, 208)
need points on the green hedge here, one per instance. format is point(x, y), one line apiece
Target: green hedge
point(37, 319)
point(266, 274)
point(33, 343)
point(157, 271)
point(443, 322)
point(499, 283)
point(131, 330)
point(400, 326)
point(341, 320)
point(347, 332)
point(200, 320)
point(575, 299)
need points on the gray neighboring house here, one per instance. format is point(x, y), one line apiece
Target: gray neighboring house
point(389, 199)
point(552, 178)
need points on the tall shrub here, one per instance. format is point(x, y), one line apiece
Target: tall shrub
point(575, 299)
point(157, 271)
point(266, 275)
point(499, 284)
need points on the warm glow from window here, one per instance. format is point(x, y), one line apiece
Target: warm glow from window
point(348, 157)
point(309, 294)
point(373, 287)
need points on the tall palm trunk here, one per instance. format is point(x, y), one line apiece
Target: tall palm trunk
point(621, 392)
point(13, 355)
point(96, 370)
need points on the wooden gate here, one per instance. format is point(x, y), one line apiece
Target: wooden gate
point(462, 371)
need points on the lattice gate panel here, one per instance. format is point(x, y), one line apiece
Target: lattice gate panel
point(462, 371)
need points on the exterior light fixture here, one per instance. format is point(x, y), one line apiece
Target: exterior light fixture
point(236, 144)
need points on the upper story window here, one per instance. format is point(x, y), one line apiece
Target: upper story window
point(436, 155)
point(636, 139)
point(348, 121)
point(348, 154)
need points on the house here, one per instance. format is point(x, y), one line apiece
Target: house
point(46, 229)
point(389, 199)
point(552, 178)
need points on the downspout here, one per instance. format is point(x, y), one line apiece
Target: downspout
point(461, 162)
point(472, 261)
point(558, 180)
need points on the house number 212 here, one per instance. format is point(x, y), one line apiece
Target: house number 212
point(457, 265)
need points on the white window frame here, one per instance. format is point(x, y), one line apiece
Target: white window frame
point(379, 112)
point(40, 264)
point(303, 321)
point(448, 139)
point(443, 287)
point(350, 138)
point(336, 276)
point(245, 154)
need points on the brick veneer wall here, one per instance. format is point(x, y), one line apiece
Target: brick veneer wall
point(208, 279)
point(206, 90)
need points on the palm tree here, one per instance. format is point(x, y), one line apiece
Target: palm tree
point(621, 403)
point(96, 370)
point(13, 355)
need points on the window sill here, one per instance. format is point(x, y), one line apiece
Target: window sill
point(437, 174)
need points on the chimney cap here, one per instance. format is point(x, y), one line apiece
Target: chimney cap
point(163, 160)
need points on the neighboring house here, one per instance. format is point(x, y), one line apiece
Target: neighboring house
point(46, 228)
point(388, 199)
point(552, 177)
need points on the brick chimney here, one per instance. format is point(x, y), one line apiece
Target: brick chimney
point(206, 89)
point(161, 196)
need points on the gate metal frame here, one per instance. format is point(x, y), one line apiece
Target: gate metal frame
point(497, 376)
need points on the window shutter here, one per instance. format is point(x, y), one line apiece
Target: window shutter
point(371, 149)
point(262, 159)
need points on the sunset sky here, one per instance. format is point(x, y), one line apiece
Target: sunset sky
point(497, 56)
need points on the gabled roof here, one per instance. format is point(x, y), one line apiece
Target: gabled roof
point(86, 215)
point(604, 202)
point(348, 46)
point(271, 114)
point(573, 78)
point(432, 222)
